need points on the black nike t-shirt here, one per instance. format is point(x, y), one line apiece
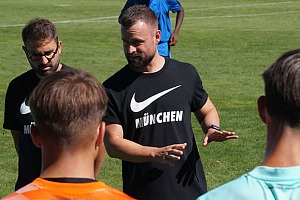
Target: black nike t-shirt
point(155, 110)
point(17, 117)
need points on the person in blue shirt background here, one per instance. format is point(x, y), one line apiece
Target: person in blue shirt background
point(278, 177)
point(161, 9)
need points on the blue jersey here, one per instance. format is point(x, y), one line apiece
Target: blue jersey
point(161, 8)
point(261, 183)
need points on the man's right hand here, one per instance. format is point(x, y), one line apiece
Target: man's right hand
point(170, 153)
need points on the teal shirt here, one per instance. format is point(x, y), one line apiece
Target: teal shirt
point(261, 183)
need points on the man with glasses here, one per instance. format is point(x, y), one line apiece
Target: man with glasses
point(42, 49)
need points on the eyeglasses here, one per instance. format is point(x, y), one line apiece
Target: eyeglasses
point(36, 57)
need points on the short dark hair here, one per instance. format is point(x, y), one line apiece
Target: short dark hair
point(282, 87)
point(37, 30)
point(67, 106)
point(138, 13)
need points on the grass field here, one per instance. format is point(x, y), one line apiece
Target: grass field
point(229, 42)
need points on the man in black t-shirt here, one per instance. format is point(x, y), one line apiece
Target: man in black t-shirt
point(42, 49)
point(148, 121)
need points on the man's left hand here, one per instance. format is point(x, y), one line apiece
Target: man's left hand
point(218, 136)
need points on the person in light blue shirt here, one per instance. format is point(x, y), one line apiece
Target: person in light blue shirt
point(161, 9)
point(279, 175)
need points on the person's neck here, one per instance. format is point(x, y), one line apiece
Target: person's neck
point(286, 151)
point(68, 165)
point(59, 67)
point(155, 65)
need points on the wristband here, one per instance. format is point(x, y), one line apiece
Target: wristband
point(214, 127)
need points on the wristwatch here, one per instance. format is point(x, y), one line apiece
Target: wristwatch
point(214, 127)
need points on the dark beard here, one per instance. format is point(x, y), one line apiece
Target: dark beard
point(139, 63)
point(53, 68)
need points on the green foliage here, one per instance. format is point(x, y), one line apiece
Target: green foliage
point(229, 42)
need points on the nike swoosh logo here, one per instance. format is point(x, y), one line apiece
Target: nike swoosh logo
point(24, 109)
point(139, 106)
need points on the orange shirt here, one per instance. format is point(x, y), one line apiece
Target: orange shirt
point(43, 189)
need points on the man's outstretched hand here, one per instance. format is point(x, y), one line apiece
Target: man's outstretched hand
point(218, 136)
point(170, 153)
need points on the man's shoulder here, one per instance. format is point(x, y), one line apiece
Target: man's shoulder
point(66, 67)
point(21, 194)
point(121, 79)
point(119, 74)
point(43, 189)
point(113, 193)
point(173, 5)
point(26, 77)
point(165, 1)
point(28, 74)
point(244, 187)
point(180, 65)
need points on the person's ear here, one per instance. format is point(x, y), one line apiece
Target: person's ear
point(157, 36)
point(34, 133)
point(261, 105)
point(100, 134)
point(59, 43)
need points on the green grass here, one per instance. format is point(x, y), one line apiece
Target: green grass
point(229, 42)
